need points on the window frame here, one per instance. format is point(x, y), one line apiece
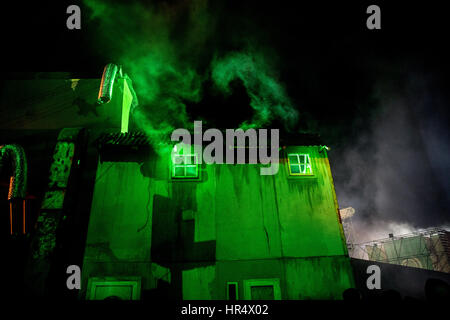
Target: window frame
point(186, 166)
point(174, 165)
point(236, 289)
point(113, 282)
point(300, 174)
point(274, 282)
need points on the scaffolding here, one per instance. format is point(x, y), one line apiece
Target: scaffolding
point(346, 217)
point(427, 249)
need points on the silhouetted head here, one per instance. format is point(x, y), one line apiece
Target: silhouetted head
point(391, 295)
point(437, 290)
point(351, 294)
point(112, 298)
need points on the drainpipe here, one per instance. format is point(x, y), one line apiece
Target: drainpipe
point(15, 155)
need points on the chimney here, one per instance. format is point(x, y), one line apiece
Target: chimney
point(113, 74)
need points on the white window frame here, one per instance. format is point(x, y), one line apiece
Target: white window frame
point(308, 167)
point(185, 165)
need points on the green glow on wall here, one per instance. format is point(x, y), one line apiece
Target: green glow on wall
point(230, 226)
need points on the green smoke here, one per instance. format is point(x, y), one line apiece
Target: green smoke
point(169, 51)
point(267, 96)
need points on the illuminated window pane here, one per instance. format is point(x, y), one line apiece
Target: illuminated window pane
point(191, 160)
point(179, 171)
point(295, 168)
point(293, 159)
point(191, 171)
point(301, 158)
point(178, 160)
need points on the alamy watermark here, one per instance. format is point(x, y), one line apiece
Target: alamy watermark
point(374, 280)
point(235, 146)
point(74, 279)
point(373, 22)
point(74, 20)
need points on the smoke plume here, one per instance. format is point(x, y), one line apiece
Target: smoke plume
point(171, 50)
point(396, 174)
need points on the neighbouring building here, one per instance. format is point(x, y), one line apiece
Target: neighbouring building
point(427, 249)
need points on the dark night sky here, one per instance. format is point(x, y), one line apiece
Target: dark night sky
point(379, 98)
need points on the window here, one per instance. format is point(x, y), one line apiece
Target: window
point(185, 166)
point(299, 164)
point(262, 289)
point(262, 293)
point(232, 291)
point(111, 288)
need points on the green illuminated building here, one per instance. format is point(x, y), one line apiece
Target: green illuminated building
point(214, 231)
point(159, 230)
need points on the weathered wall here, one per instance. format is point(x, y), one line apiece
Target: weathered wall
point(232, 225)
point(57, 103)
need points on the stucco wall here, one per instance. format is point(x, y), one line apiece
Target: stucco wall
point(232, 222)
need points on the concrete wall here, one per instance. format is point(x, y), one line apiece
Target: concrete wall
point(58, 103)
point(232, 225)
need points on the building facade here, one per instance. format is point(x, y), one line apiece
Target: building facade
point(214, 231)
point(141, 227)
